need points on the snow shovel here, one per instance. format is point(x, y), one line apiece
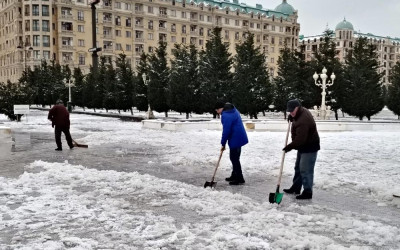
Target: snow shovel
point(277, 197)
point(78, 144)
point(211, 183)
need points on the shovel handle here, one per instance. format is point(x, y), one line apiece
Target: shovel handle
point(216, 167)
point(283, 155)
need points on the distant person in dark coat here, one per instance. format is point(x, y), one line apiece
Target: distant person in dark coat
point(59, 117)
point(234, 133)
point(305, 140)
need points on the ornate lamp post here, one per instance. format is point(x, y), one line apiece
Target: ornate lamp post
point(27, 51)
point(323, 83)
point(149, 113)
point(69, 84)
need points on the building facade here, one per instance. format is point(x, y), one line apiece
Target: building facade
point(61, 30)
point(388, 48)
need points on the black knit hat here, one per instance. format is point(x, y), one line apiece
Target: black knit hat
point(292, 104)
point(219, 104)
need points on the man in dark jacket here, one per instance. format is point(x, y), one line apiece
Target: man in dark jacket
point(305, 140)
point(234, 133)
point(59, 117)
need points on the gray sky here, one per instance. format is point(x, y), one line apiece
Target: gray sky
point(379, 17)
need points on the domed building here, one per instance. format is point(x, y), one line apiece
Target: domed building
point(285, 8)
point(388, 48)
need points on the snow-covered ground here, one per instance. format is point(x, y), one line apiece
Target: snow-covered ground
point(58, 205)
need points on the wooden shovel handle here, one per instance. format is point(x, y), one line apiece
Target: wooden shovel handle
point(283, 155)
point(216, 167)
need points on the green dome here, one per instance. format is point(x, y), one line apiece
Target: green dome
point(344, 25)
point(285, 8)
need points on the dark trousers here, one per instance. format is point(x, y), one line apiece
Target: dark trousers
point(57, 132)
point(304, 171)
point(234, 155)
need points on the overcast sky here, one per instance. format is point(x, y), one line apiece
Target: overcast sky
point(379, 17)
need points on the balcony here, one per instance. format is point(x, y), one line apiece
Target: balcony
point(139, 26)
point(163, 15)
point(108, 36)
point(139, 40)
point(68, 17)
point(69, 2)
point(67, 47)
point(107, 21)
point(139, 12)
point(194, 33)
point(70, 32)
point(108, 50)
point(162, 29)
point(193, 19)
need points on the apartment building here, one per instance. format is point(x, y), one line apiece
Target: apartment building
point(388, 48)
point(36, 30)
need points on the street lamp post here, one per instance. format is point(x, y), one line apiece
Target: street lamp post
point(69, 104)
point(27, 51)
point(149, 113)
point(321, 81)
point(94, 49)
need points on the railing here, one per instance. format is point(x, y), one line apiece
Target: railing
point(67, 31)
point(162, 28)
point(139, 26)
point(67, 17)
point(108, 50)
point(67, 47)
point(139, 12)
point(139, 40)
point(162, 15)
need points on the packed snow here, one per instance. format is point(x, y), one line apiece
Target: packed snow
point(59, 205)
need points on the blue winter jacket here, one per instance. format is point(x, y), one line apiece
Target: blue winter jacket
point(233, 129)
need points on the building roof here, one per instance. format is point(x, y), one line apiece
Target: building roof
point(344, 25)
point(234, 5)
point(285, 8)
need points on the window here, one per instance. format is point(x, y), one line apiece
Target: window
point(150, 25)
point(128, 6)
point(227, 21)
point(118, 46)
point(35, 10)
point(46, 41)
point(128, 22)
point(118, 33)
point(201, 42)
point(273, 27)
point(45, 10)
point(280, 29)
point(201, 17)
point(35, 25)
point(81, 59)
point(81, 28)
point(81, 43)
point(150, 49)
point(46, 54)
point(258, 26)
point(226, 34)
point(150, 36)
point(272, 40)
point(183, 39)
point(150, 9)
point(36, 40)
point(118, 5)
point(128, 47)
point(237, 36)
point(128, 34)
point(251, 25)
point(36, 54)
point(45, 25)
point(237, 22)
point(183, 15)
point(209, 19)
point(272, 60)
point(173, 39)
point(184, 29)
point(173, 13)
point(81, 16)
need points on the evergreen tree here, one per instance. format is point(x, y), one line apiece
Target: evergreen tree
point(77, 90)
point(183, 84)
point(158, 79)
point(89, 90)
point(326, 56)
point(125, 84)
point(215, 72)
point(140, 90)
point(99, 90)
point(393, 93)
point(252, 91)
point(363, 93)
point(110, 95)
point(291, 81)
point(11, 94)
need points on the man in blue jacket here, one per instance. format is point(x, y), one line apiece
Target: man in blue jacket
point(234, 133)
